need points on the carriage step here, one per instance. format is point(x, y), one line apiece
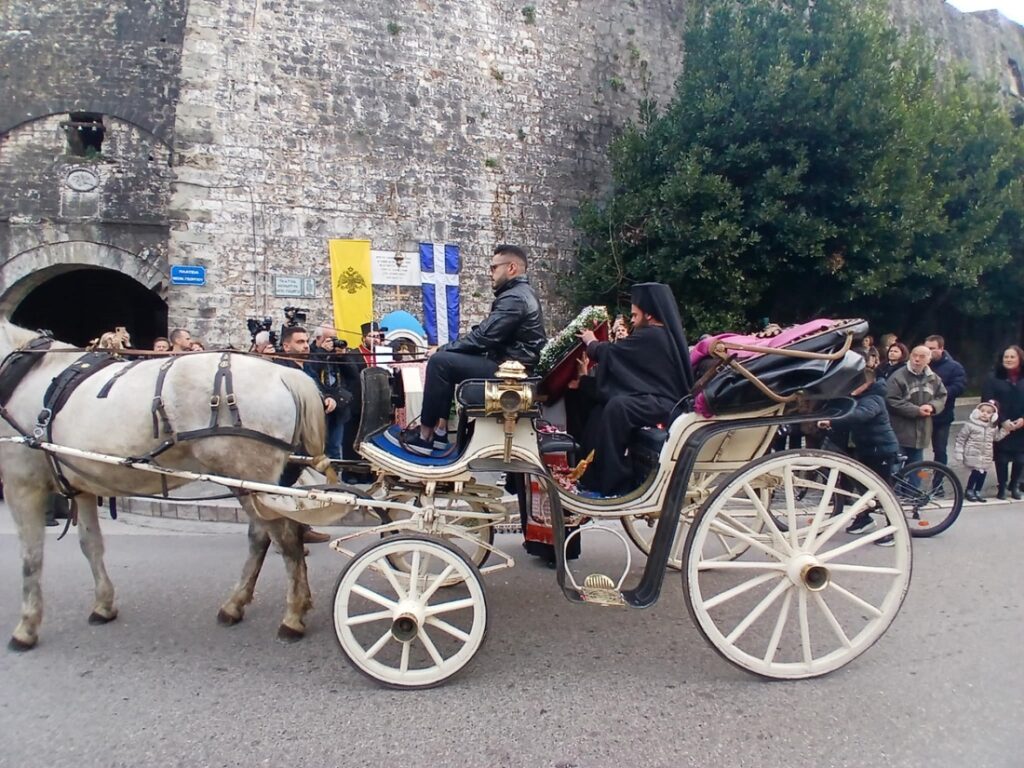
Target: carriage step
point(600, 590)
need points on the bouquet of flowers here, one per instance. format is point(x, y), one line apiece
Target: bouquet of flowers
point(567, 339)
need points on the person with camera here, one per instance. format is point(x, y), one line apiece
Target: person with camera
point(326, 361)
point(295, 349)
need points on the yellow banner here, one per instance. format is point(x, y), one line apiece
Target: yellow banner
point(351, 288)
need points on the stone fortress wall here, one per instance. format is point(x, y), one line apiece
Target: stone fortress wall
point(242, 136)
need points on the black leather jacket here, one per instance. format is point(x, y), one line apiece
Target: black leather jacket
point(513, 331)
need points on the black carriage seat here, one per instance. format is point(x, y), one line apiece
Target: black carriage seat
point(730, 392)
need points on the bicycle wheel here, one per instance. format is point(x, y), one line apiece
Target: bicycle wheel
point(931, 496)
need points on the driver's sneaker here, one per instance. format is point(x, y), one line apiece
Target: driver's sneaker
point(886, 541)
point(862, 523)
point(441, 441)
point(413, 443)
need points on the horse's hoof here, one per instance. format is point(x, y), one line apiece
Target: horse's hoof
point(14, 644)
point(289, 635)
point(225, 619)
point(96, 618)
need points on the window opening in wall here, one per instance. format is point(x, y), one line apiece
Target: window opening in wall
point(85, 133)
point(1017, 80)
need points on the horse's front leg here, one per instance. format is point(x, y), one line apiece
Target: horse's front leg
point(233, 609)
point(28, 507)
point(288, 536)
point(90, 539)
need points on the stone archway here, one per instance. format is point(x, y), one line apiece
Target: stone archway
point(78, 289)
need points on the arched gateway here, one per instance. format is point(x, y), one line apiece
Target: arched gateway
point(78, 289)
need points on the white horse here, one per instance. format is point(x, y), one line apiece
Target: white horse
point(278, 406)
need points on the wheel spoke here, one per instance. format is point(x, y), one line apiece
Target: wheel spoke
point(414, 574)
point(404, 664)
point(389, 574)
point(372, 596)
point(431, 648)
point(366, 618)
point(436, 583)
point(780, 623)
point(861, 541)
point(739, 589)
point(787, 483)
point(878, 569)
point(374, 649)
point(832, 620)
point(718, 527)
point(451, 605)
point(826, 502)
point(768, 520)
point(841, 520)
point(444, 626)
point(739, 565)
point(805, 629)
point(759, 609)
point(859, 602)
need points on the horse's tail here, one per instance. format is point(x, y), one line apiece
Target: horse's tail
point(311, 430)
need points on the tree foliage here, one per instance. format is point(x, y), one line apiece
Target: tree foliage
point(810, 163)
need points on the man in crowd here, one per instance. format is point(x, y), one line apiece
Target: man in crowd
point(161, 344)
point(355, 362)
point(181, 340)
point(326, 362)
point(954, 378)
point(514, 330)
point(914, 394)
point(295, 344)
point(639, 380)
point(261, 344)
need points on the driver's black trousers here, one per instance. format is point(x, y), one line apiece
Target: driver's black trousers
point(444, 371)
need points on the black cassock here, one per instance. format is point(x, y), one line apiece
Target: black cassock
point(638, 381)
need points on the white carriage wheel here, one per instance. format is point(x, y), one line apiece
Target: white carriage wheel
point(398, 628)
point(806, 597)
point(641, 530)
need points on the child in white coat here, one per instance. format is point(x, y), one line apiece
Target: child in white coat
point(973, 446)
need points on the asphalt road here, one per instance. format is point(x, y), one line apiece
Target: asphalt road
point(554, 685)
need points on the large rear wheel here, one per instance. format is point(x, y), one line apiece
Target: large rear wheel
point(803, 601)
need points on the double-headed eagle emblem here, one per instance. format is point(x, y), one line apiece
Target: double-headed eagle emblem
point(351, 281)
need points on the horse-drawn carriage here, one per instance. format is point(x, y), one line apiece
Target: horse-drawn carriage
point(769, 575)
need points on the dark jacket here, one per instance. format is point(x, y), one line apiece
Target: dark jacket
point(1010, 397)
point(514, 330)
point(311, 370)
point(905, 393)
point(868, 424)
point(955, 379)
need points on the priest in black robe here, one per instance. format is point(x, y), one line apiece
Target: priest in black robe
point(638, 381)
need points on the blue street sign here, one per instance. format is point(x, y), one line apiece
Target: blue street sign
point(185, 274)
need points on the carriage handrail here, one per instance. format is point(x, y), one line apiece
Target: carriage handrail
point(720, 347)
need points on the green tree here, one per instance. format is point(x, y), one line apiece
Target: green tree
point(810, 163)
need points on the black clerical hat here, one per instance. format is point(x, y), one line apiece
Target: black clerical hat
point(372, 327)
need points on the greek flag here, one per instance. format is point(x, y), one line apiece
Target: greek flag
point(439, 273)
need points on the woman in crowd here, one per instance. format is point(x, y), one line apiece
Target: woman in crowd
point(1006, 386)
point(895, 356)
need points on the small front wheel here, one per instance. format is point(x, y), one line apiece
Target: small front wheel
point(931, 497)
point(400, 628)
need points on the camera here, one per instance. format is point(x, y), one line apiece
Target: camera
point(338, 343)
point(257, 325)
point(295, 316)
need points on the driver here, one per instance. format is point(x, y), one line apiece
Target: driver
point(638, 380)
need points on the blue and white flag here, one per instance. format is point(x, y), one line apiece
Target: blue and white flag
point(439, 273)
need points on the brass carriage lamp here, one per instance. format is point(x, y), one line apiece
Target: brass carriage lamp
point(510, 395)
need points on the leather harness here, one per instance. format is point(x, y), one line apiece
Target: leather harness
point(19, 363)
